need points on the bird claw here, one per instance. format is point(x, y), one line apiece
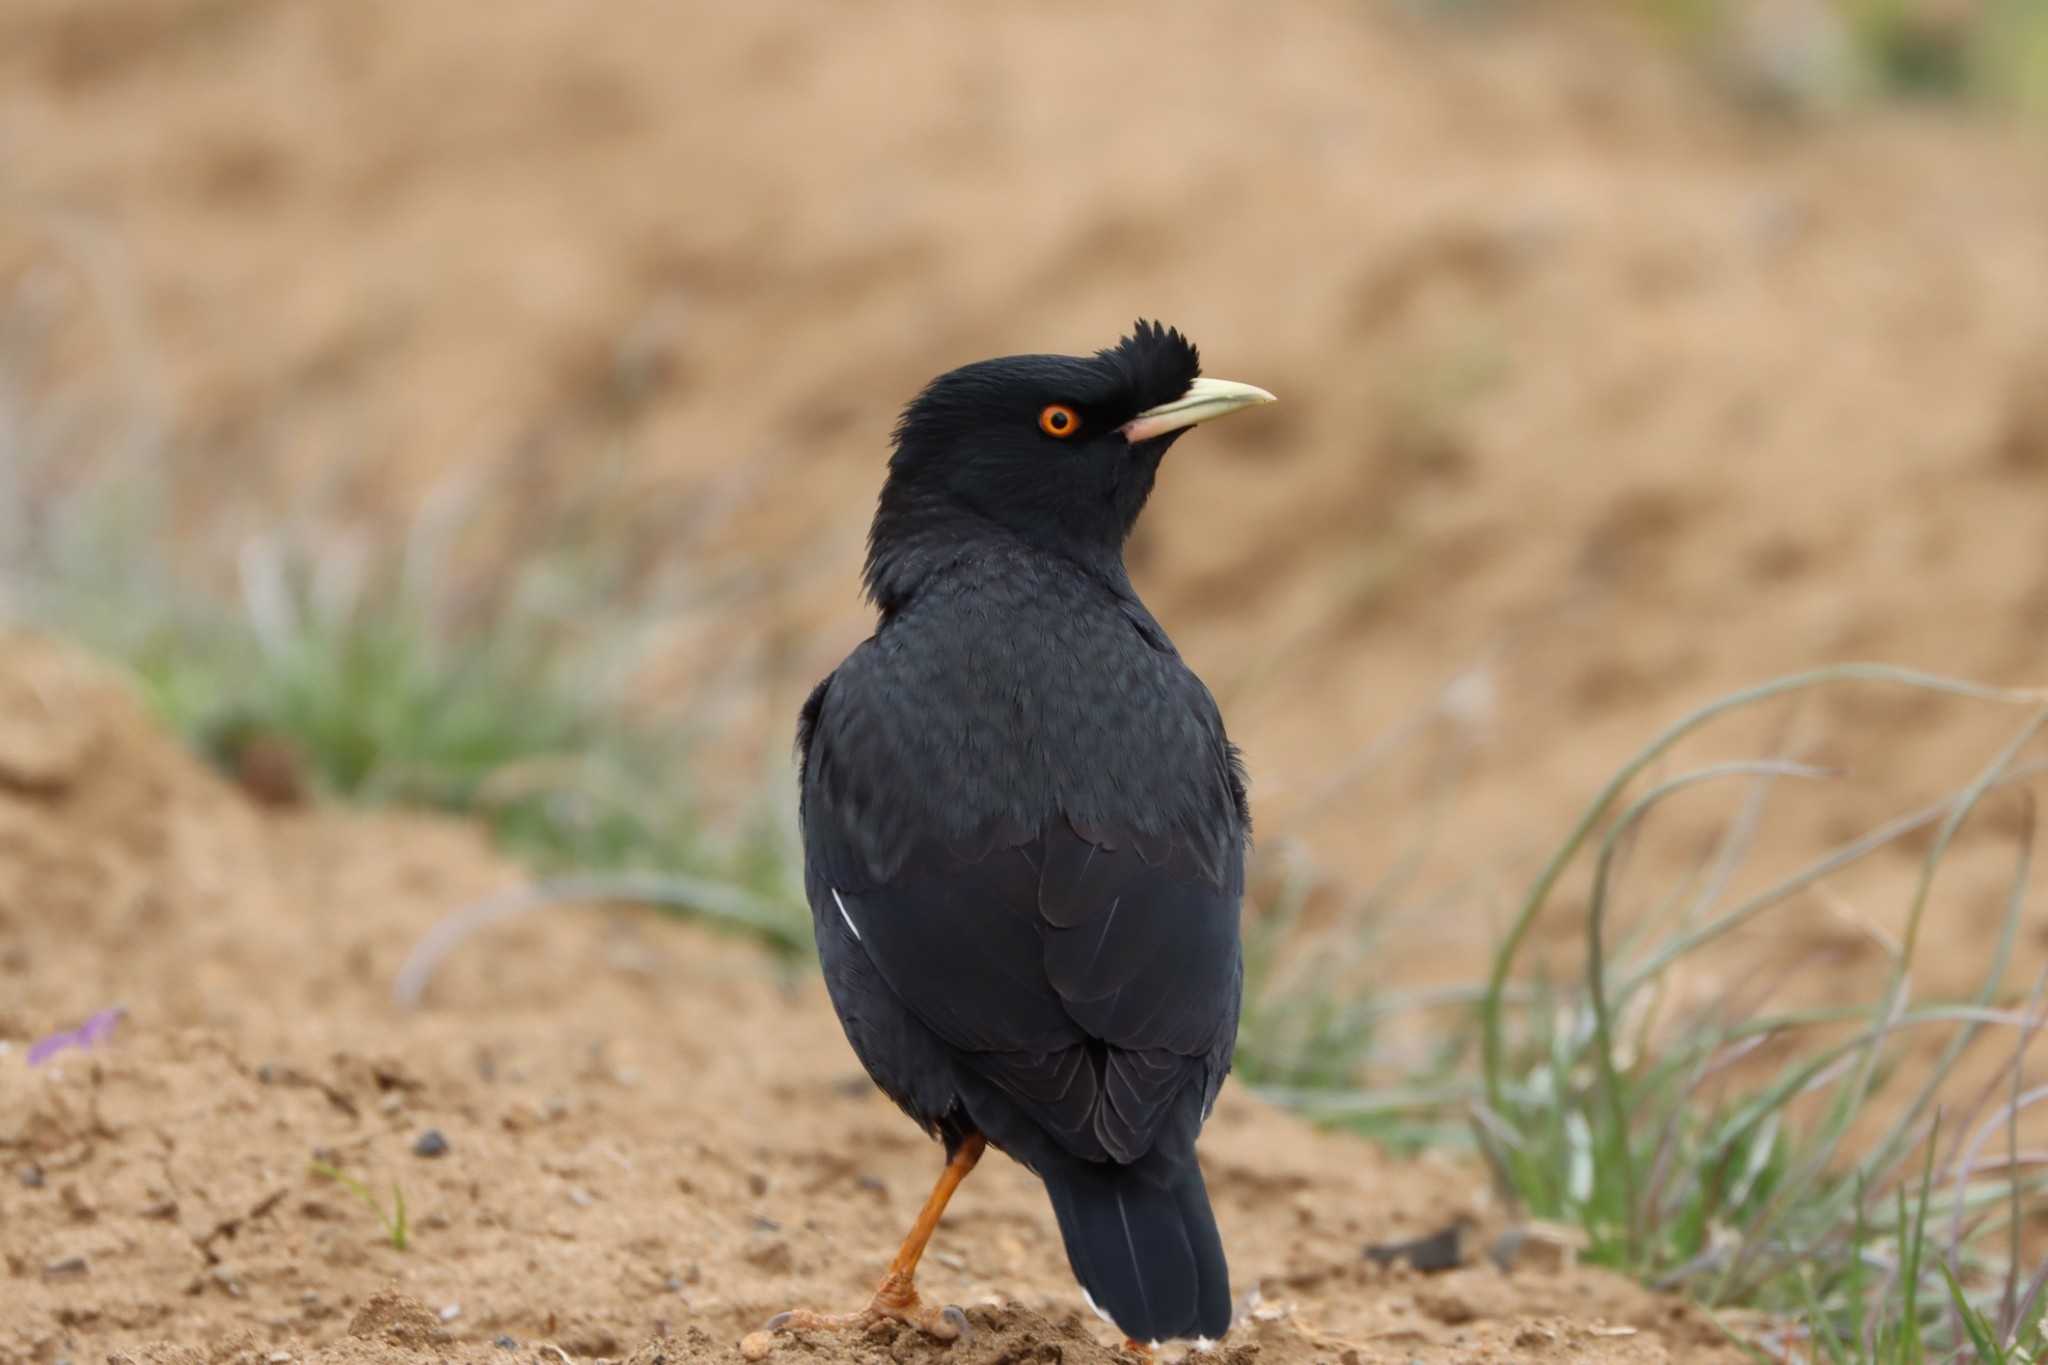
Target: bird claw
point(944, 1324)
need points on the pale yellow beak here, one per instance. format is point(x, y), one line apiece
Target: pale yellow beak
point(1205, 400)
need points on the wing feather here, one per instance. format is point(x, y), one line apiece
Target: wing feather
point(1088, 971)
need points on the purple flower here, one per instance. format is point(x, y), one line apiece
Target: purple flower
point(86, 1034)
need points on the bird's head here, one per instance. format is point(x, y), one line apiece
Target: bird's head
point(1057, 451)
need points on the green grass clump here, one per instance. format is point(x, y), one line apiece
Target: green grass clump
point(1707, 1149)
point(397, 1231)
point(482, 661)
point(384, 675)
point(1992, 52)
point(1599, 1110)
point(1993, 49)
point(1590, 1119)
point(509, 716)
point(2013, 1337)
point(518, 716)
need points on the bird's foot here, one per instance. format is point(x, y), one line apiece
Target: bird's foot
point(896, 1300)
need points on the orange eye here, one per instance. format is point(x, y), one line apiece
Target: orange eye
point(1058, 420)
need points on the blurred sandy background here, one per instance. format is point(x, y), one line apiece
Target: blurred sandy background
point(1620, 366)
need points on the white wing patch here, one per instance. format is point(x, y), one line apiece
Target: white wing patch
point(851, 927)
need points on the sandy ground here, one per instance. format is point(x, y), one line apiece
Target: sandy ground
point(654, 1137)
point(1600, 397)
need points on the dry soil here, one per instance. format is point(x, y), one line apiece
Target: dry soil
point(650, 1137)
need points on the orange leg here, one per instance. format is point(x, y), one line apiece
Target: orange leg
point(896, 1297)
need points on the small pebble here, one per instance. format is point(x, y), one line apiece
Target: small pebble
point(31, 1176)
point(80, 1207)
point(757, 1345)
point(506, 1342)
point(430, 1143)
point(70, 1267)
point(450, 1312)
point(279, 1358)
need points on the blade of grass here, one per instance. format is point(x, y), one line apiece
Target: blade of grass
point(1492, 1045)
point(1596, 960)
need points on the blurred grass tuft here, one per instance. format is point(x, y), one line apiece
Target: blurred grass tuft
point(1715, 1148)
point(1819, 52)
point(312, 661)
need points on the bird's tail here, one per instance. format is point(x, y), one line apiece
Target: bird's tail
point(1143, 1242)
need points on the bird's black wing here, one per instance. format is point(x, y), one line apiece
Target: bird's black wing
point(1089, 972)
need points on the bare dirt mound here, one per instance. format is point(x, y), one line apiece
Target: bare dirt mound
point(646, 1138)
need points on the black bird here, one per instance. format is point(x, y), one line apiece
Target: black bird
point(1024, 827)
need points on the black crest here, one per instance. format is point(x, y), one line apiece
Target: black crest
point(1154, 364)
